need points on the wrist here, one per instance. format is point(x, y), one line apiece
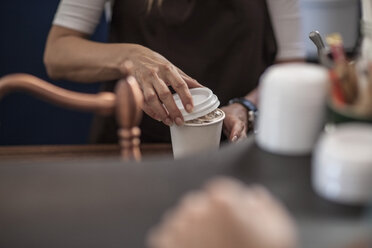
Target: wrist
point(127, 52)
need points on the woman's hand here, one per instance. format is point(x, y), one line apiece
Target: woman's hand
point(154, 74)
point(235, 122)
point(70, 55)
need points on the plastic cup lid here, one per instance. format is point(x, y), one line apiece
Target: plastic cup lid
point(204, 102)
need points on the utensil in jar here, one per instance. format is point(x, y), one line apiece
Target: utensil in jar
point(316, 38)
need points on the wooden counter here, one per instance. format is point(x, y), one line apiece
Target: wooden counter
point(62, 152)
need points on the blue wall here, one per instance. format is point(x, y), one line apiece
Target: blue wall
point(24, 25)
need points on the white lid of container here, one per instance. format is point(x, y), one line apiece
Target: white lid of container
point(346, 152)
point(296, 81)
point(204, 102)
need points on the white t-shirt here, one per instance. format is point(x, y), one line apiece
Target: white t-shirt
point(84, 15)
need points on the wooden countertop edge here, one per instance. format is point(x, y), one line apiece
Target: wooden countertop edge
point(89, 148)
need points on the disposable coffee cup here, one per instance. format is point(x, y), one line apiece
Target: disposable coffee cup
point(292, 108)
point(203, 126)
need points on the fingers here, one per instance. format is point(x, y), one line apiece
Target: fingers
point(158, 100)
point(235, 122)
point(153, 107)
point(171, 75)
point(166, 98)
point(238, 131)
point(234, 128)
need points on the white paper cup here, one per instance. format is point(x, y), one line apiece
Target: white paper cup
point(292, 108)
point(195, 138)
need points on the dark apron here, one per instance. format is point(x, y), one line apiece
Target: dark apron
point(224, 44)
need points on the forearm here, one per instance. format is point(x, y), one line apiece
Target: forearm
point(75, 58)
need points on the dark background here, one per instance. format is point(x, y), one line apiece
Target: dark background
point(24, 26)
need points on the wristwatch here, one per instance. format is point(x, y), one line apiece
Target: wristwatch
point(252, 112)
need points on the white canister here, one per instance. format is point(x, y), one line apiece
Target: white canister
point(292, 99)
point(342, 164)
point(193, 138)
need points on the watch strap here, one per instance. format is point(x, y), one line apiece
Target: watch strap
point(250, 106)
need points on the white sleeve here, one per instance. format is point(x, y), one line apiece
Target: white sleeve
point(286, 19)
point(80, 15)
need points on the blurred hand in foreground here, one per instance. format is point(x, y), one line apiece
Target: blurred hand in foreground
point(226, 214)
